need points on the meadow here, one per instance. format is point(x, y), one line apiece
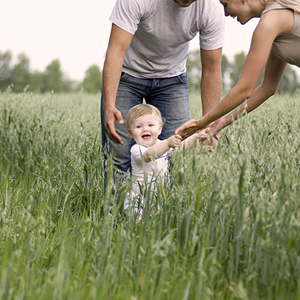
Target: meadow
point(228, 226)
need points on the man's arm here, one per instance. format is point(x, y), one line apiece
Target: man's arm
point(211, 80)
point(119, 43)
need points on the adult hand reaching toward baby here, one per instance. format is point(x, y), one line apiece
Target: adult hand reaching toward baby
point(213, 133)
point(208, 136)
point(188, 128)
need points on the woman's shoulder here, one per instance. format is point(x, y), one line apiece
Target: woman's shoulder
point(276, 19)
point(273, 6)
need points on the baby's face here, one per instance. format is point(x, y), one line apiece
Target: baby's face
point(145, 130)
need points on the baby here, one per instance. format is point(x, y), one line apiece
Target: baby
point(149, 155)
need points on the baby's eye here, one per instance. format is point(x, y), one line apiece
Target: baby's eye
point(150, 125)
point(138, 126)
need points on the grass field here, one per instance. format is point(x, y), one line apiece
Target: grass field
point(228, 225)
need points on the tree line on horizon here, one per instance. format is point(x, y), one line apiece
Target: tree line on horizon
point(20, 77)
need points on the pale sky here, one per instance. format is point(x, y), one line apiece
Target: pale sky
point(77, 32)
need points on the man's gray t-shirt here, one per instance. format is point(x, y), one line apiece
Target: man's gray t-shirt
point(162, 30)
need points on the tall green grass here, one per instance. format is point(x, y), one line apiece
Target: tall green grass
point(227, 228)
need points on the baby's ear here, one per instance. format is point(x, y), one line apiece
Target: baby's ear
point(129, 133)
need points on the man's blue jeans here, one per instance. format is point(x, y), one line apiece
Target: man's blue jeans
point(169, 95)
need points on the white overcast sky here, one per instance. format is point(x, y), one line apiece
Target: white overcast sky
point(77, 32)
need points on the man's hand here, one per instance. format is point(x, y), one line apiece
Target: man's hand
point(174, 141)
point(111, 116)
point(188, 128)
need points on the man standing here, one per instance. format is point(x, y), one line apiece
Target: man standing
point(146, 59)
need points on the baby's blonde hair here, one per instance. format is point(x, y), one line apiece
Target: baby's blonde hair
point(292, 4)
point(142, 110)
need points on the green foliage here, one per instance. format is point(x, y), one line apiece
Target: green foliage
point(227, 226)
point(225, 69)
point(52, 80)
point(290, 82)
point(35, 83)
point(20, 74)
point(5, 69)
point(194, 69)
point(92, 81)
point(19, 77)
point(237, 67)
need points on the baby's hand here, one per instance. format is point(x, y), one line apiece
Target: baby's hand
point(174, 141)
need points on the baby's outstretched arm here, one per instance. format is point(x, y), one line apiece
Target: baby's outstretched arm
point(191, 141)
point(159, 149)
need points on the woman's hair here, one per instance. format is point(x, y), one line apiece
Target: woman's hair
point(293, 4)
point(142, 110)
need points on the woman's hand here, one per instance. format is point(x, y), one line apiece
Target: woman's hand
point(218, 125)
point(213, 133)
point(209, 143)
